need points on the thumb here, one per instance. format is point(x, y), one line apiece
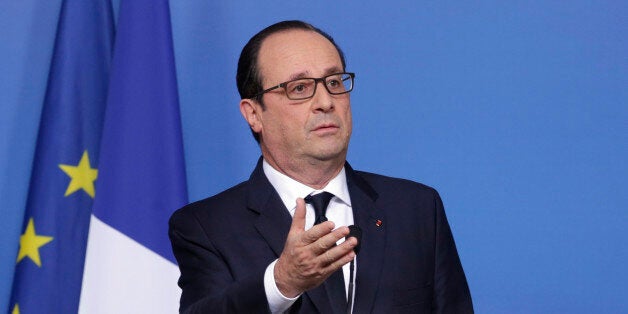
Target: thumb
point(298, 220)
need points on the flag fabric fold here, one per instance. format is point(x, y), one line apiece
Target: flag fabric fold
point(129, 266)
point(108, 169)
point(49, 264)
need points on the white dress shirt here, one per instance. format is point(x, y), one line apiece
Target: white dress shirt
point(339, 211)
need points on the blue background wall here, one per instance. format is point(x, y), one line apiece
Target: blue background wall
point(517, 112)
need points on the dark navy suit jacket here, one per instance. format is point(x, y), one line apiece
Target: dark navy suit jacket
point(408, 263)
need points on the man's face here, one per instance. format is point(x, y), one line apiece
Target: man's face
point(297, 131)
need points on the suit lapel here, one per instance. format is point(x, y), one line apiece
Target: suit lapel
point(371, 257)
point(273, 223)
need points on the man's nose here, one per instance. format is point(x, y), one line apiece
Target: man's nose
point(322, 99)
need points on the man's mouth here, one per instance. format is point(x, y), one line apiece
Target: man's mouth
point(326, 127)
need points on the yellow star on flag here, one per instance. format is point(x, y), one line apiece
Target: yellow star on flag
point(30, 243)
point(83, 176)
point(16, 309)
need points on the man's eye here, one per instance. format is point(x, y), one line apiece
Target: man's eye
point(333, 83)
point(298, 88)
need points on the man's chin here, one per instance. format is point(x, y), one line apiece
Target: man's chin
point(330, 152)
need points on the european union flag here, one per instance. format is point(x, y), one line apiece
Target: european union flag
point(130, 267)
point(50, 260)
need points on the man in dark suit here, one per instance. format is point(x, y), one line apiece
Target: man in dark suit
point(258, 247)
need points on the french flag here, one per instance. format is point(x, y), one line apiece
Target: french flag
point(129, 265)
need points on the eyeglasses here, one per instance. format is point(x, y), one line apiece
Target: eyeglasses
point(304, 88)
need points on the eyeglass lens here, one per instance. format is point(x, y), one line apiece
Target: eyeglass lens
point(305, 88)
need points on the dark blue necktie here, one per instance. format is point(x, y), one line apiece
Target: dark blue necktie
point(319, 202)
point(335, 284)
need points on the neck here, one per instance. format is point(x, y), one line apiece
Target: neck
point(313, 173)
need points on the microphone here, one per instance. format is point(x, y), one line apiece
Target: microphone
point(356, 232)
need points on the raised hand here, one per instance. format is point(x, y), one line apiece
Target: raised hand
point(309, 257)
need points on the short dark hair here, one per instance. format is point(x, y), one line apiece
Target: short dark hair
point(248, 76)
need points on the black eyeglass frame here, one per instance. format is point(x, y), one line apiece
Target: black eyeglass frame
point(316, 80)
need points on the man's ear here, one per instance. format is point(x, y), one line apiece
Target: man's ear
point(251, 110)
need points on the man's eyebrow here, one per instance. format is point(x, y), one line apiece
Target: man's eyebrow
point(333, 70)
point(299, 75)
point(306, 74)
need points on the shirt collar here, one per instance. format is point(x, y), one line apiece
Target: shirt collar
point(289, 189)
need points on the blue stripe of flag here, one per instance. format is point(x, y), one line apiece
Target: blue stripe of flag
point(142, 175)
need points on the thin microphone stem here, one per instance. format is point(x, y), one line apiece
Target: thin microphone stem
point(350, 297)
point(354, 231)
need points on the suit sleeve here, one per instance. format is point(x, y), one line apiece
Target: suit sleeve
point(451, 292)
point(206, 282)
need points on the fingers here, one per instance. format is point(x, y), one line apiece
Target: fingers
point(309, 257)
point(318, 231)
point(298, 220)
point(338, 263)
point(337, 256)
point(326, 241)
